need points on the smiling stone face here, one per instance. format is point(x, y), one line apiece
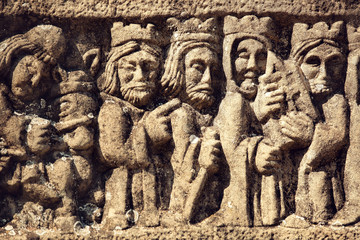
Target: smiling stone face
point(200, 66)
point(323, 67)
point(250, 63)
point(137, 74)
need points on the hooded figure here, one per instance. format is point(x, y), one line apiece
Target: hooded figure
point(247, 50)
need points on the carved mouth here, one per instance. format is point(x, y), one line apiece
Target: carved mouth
point(140, 86)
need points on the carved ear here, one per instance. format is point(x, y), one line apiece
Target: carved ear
point(92, 60)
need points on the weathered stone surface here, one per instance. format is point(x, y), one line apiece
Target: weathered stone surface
point(179, 119)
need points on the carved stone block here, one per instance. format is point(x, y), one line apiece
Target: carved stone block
point(179, 120)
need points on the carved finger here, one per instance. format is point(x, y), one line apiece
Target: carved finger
point(275, 99)
point(270, 64)
point(271, 87)
point(277, 92)
point(274, 108)
point(287, 122)
point(290, 133)
point(303, 119)
point(273, 78)
point(168, 107)
point(163, 120)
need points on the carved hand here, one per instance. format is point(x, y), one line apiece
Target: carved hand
point(210, 150)
point(38, 136)
point(270, 96)
point(267, 158)
point(297, 126)
point(157, 122)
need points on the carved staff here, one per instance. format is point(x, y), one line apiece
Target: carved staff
point(211, 145)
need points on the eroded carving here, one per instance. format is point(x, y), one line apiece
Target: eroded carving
point(159, 141)
point(129, 125)
point(319, 53)
point(190, 75)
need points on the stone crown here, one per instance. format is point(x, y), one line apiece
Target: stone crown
point(121, 34)
point(302, 32)
point(250, 25)
point(353, 34)
point(194, 29)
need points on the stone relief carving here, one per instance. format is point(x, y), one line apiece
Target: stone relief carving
point(131, 128)
point(190, 76)
point(198, 121)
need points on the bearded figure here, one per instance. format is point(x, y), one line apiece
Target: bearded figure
point(131, 129)
point(318, 53)
point(191, 75)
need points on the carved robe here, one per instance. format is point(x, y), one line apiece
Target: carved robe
point(124, 147)
point(247, 198)
point(186, 123)
point(320, 193)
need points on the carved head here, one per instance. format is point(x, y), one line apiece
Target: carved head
point(246, 45)
point(133, 64)
point(320, 56)
point(29, 58)
point(192, 62)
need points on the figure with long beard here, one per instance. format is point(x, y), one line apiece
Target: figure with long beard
point(131, 129)
point(191, 75)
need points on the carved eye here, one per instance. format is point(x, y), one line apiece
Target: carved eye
point(335, 61)
point(198, 66)
point(129, 66)
point(243, 55)
point(313, 60)
point(261, 56)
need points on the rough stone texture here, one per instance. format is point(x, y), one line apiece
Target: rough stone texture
point(148, 9)
point(179, 119)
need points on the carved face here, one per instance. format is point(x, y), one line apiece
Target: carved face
point(137, 73)
point(30, 79)
point(250, 63)
point(200, 64)
point(323, 67)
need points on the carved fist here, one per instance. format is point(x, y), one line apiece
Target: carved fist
point(80, 139)
point(157, 122)
point(38, 136)
point(270, 96)
point(297, 126)
point(210, 150)
point(267, 158)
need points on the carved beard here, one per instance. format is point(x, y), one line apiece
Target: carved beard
point(200, 100)
point(320, 87)
point(138, 94)
point(249, 88)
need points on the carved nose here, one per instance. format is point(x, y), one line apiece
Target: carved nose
point(206, 78)
point(35, 80)
point(251, 65)
point(139, 74)
point(323, 72)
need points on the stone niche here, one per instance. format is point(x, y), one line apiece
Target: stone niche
point(179, 119)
